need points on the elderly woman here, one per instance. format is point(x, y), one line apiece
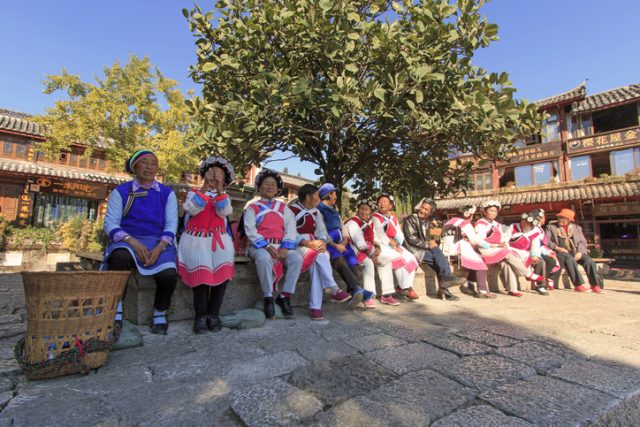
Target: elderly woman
point(417, 239)
point(206, 252)
point(141, 221)
point(568, 240)
point(526, 241)
point(465, 247)
point(312, 246)
point(387, 231)
point(498, 252)
point(270, 226)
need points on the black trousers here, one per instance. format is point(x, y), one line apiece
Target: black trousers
point(208, 299)
point(544, 267)
point(122, 260)
point(569, 262)
point(348, 274)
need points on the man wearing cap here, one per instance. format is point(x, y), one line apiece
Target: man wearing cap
point(343, 259)
point(569, 242)
point(417, 235)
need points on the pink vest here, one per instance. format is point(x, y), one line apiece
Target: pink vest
point(208, 219)
point(494, 235)
point(269, 218)
point(389, 224)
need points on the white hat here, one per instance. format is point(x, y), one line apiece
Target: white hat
point(490, 203)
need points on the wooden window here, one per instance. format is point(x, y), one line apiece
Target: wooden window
point(7, 149)
point(482, 181)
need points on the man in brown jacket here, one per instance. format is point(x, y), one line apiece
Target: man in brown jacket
point(570, 245)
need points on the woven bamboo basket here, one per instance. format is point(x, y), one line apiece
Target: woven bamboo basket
point(65, 310)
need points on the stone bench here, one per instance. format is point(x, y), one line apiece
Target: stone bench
point(242, 292)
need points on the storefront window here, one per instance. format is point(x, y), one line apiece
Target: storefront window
point(8, 148)
point(624, 161)
point(580, 167)
point(51, 208)
point(537, 174)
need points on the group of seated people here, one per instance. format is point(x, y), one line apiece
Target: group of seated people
point(141, 221)
point(521, 249)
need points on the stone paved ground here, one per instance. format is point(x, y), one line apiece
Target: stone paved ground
point(567, 359)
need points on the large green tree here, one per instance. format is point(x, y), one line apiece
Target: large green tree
point(376, 92)
point(132, 107)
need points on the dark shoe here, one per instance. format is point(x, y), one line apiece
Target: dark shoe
point(444, 294)
point(449, 280)
point(200, 325)
point(214, 324)
point(466, 289)
point(269, 309)
point(541, 290)
point(285, 305)
point(160, 329)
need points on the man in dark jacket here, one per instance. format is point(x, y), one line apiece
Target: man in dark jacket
point(570, 245)
point(416, 229)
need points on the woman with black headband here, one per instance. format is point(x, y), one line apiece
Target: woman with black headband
point(141, 221)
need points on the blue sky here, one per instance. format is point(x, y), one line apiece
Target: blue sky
point(547, 46)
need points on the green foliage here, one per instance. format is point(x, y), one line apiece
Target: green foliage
point(82, 235)
point(370, 91)
point(123, 110)
point(4, 232)
point(20, 237)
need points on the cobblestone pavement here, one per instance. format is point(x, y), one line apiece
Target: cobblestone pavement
point(566, 359)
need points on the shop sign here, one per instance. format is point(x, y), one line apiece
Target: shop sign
point(24, 206)
point(618, 209)
point(535, 152)
point(598, 142)
point(85, 190)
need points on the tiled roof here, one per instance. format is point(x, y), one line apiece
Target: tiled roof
point(295, 181)
point(19, 122)
point(16, 166)
point(604, 99)
point(550, 195)
point(577, 92)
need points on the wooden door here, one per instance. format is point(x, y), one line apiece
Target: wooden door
point(9, 196)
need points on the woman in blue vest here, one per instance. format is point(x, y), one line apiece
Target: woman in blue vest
point(141, 222)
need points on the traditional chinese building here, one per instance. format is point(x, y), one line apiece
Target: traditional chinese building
point(36, 190)
point(587, 159)
point(39, 191)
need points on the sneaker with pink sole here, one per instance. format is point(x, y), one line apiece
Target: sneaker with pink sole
point(316, 314)
point(370, 303)
point(390, 300)
point(340, 296)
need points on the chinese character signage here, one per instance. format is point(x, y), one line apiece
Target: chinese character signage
point(74, 189)
point(24, 207)
point(617, 209)
point(598, 142)
point(535, 152)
